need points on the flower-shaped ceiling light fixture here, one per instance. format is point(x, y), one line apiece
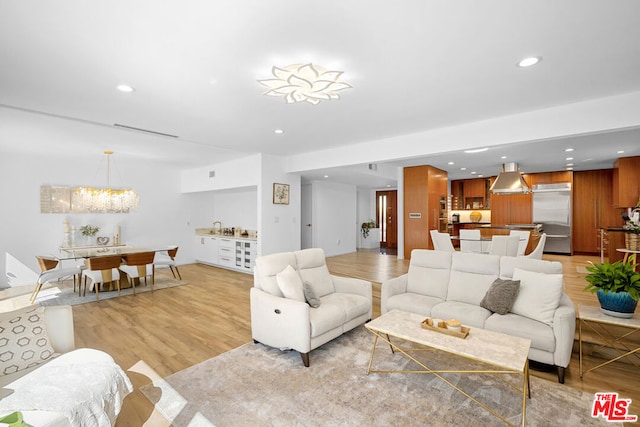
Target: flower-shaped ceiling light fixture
point(304, 82)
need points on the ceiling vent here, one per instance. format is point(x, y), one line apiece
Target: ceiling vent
point(509, 181)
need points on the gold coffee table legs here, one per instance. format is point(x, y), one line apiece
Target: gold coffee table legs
point(526, 386)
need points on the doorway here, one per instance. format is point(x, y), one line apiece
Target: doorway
point(386, 218)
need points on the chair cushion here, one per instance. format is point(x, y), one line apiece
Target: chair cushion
point(267, 266)
point(539, 295)
point(508, 264)
point(414, 303)
point(500, 296)
point(540, 334)
point(472, 276)
point(469, 314)
point(313, 269)
point(290, 284)
point(429, 273)
point(24, 342)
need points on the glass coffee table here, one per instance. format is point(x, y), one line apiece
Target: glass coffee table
point(498, 353)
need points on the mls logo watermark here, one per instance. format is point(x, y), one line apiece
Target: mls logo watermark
point(612, 408)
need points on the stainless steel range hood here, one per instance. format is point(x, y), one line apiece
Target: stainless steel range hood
point(509, 181)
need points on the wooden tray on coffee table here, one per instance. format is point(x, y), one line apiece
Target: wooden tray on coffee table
point(428, 324)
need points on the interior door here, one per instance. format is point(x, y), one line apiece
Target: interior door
point(387, 218)
point(306, 231)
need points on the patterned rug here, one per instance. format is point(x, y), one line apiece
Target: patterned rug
point(260, 386)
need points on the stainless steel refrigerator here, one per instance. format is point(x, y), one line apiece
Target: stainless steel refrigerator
point(552, 209)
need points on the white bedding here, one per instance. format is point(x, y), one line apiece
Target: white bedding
point(80, 388)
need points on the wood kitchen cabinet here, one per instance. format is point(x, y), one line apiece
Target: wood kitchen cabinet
point(626, 182)
point(425, 206)
point(512, 208)
point(592, 209)
point(466, 192)
point(559, 177)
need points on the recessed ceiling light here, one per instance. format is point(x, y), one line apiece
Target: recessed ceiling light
point(476, 150)
point(125, 88)
point(473, 172)
point(568, 149)
point(451, 163)
point(463, 169)
point(503, 157)
point(326, 176)
point(569, 164)
point(620, 151)
point(278, 131)
point(529, 61)
point(569, 168)
point(569, 158)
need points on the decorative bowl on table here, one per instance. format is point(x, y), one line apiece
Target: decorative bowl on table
point(102, 240)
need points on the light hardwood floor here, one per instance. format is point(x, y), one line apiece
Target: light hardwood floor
point(156, 334)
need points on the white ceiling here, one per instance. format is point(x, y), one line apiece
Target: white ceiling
point(415, 66)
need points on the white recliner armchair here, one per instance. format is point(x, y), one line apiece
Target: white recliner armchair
point(290, 322)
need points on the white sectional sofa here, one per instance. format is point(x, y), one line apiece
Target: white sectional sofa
point(286, 320)
point(58, 385)
point(454, 284)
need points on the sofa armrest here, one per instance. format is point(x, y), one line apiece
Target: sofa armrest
point(350, 285)
point(280, 322)
point(391, 287)
point(564, 330)
point(58, 319)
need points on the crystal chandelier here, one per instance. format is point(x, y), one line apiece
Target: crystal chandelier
point(103, 200)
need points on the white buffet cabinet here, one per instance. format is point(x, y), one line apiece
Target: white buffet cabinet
point(225, 251)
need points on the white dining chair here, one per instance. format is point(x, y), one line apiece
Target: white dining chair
point(470, 241)
point(168, 258)
point(50, 272)
point(101, 270)
point(523, 242)
point(537, 252)
point(504, 245)
point(441, 241)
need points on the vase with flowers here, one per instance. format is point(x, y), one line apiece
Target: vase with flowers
point(89, 231)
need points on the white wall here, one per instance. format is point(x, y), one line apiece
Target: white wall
point(244, 172)
point(334, 217)
point(278, 225)
point(366, 210)
point(165, 216)
point(234, 208)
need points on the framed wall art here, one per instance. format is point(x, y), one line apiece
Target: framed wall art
point(280, 194)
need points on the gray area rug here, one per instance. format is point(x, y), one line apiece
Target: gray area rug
point(63, 294)
point(254, 385)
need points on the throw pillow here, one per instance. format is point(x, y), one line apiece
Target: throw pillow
point(500, 296)
point(23, 340)
point(290, 284)
point(310, 295)
point(539, 295)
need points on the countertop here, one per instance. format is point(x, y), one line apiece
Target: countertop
point(205, 232)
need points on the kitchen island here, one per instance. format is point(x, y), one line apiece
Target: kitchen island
point(488, 231)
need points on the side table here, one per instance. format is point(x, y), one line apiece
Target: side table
point(600, 323)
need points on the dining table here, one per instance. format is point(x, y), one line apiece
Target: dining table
point(84, 252)
point(81, 252)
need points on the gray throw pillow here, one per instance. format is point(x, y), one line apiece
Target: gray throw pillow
point(501, 296)
point(310, 295)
